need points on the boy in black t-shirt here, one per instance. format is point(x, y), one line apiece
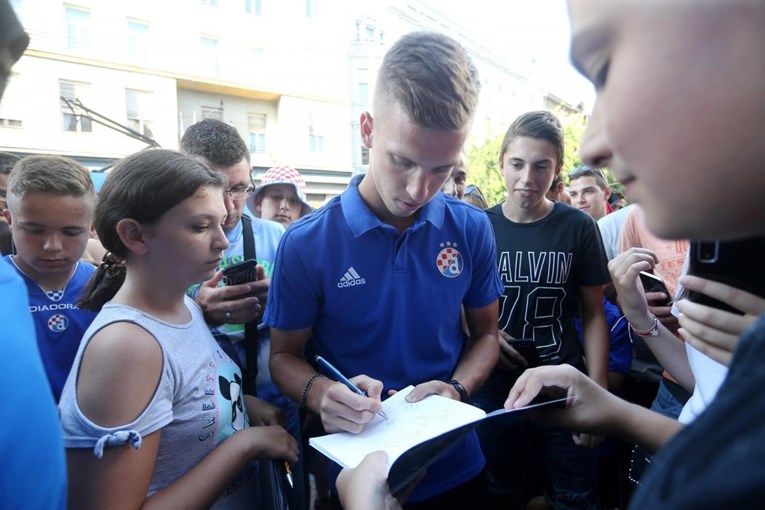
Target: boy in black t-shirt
point(551, 260)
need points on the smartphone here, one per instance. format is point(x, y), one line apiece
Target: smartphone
point(652, 283)
point(241, 272)
point(526, 348)
point(734, 263)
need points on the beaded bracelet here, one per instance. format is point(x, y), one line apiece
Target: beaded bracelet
point(304, 399)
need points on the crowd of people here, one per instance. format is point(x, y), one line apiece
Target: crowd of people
point(175, 388)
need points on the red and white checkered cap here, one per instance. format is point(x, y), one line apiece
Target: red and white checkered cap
point(281, 175)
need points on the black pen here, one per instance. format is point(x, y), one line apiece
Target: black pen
point(335, 374)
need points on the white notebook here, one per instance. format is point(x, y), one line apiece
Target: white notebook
point(431, 425)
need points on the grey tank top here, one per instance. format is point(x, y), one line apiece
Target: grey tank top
point(198, 403)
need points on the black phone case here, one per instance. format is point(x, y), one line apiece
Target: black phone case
point(734, 263)
point(528, 349)
point(241, 272)
point(652, 283)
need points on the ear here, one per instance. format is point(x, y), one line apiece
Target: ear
point(366, 129)
point(607, 192)
point(133, 235)
point(7, 216)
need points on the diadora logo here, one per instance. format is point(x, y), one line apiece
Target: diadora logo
point(350, 279)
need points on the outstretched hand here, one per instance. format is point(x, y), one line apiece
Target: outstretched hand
point(714, 332)
point(589, 407)
point(365, 487)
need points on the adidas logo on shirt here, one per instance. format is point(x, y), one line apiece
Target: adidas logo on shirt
point(350, 279)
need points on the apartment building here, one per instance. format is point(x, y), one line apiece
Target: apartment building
point(102, 79)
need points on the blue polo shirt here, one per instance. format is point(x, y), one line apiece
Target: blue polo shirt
point(387, 304)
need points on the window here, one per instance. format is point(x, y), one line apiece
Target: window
point(77, 28)
point(210, 54)
point(370, 34)
point(137, 110)
point(364, 155)
point(211, 112)
point(253, 7)
point(256, 132)
point(311, 8)
point(211, 3)
point(363, 93)
point(10, 123)
point(315, 134)
point(12, 108)
point(138, 40)
point(69, 121)
point(358, 31)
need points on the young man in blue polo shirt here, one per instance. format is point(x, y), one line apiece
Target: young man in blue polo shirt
point(378, 276)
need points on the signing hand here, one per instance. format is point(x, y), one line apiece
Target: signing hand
point(716, 332)
point(343, 410)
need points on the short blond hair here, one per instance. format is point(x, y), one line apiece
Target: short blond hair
point(433, 79)
point(55, 175)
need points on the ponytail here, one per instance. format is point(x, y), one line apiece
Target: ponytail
point(104, 283)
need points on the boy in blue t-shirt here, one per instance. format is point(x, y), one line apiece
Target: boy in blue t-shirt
point(51, 204)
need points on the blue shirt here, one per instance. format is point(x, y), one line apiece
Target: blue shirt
point(32, 449)
point(387, 304)
point(59, 324)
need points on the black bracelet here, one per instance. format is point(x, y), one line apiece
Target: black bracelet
point(464, 397)
point(304, 399)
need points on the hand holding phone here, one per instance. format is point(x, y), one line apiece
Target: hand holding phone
point(652, 283)
point(526, 348)
point(734, 263)
point(242, 272)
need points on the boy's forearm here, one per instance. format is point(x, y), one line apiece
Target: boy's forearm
point(595, 334)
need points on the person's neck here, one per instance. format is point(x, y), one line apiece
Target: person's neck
point(521, 215)
point(47, 282)
point(370, 197)
point(155, 296)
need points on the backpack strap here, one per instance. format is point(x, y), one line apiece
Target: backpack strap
point(250, 372)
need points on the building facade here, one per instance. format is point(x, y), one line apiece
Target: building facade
point(103, 79)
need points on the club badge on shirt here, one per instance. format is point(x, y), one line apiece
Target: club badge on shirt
point(449, 261)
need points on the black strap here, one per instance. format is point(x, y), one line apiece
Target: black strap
point(250, 372)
